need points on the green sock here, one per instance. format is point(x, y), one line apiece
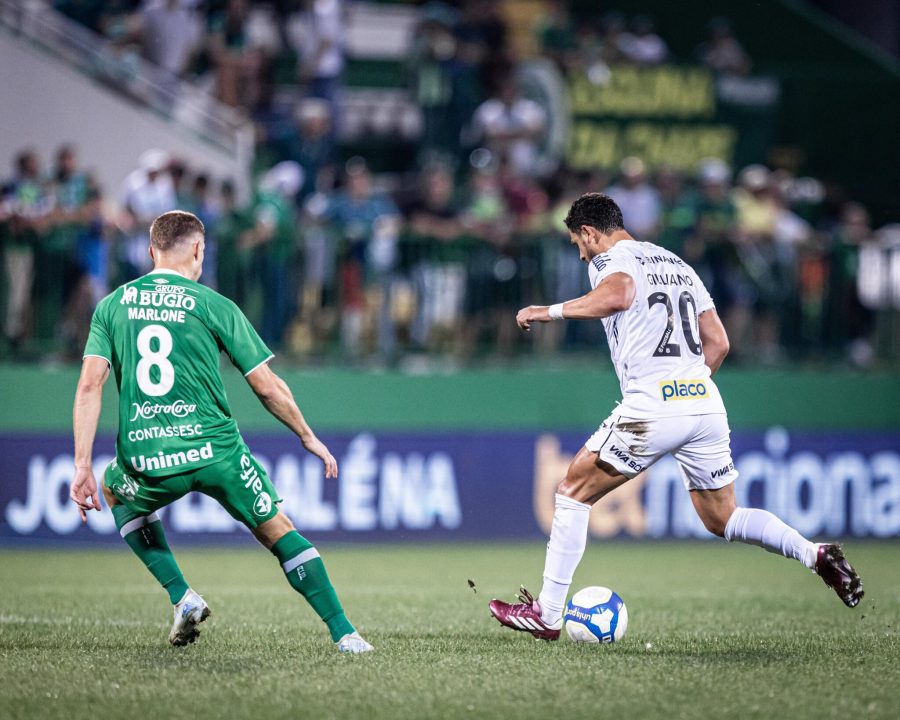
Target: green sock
point(144, 534)
point(306, 573)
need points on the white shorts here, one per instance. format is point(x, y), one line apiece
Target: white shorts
point(700, 444)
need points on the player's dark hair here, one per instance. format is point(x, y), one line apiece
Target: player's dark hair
point(173, 228)
point(595, 210)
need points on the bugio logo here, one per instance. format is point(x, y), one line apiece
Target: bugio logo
point(683, 390)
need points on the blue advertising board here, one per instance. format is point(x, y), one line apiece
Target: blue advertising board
point(408, 487)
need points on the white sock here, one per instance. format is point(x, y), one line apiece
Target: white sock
point(760, 527)
point(568, 538)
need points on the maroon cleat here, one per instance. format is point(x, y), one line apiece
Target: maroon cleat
point(839, 575)
point(524, 616)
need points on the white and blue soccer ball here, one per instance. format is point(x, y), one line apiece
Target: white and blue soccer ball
point(596, 615)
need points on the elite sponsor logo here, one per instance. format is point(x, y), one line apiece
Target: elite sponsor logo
point(148, 410)
point(250, 475)
point(683, 390)
point(263, 504)
point(161, 460)
point(128, 489)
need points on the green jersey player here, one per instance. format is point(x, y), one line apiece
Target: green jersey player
point(162, 335)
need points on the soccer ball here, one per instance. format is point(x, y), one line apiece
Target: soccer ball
point(596, 615)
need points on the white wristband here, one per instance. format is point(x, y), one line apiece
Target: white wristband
point(556, 311)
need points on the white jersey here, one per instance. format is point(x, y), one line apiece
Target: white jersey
point(655, 343)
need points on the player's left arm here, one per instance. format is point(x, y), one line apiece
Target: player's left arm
point(713, 339)
point(85, 415)
point(276, 396)
point(614, 294)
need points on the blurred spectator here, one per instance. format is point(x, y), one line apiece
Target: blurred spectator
point(320, 45)
point(790, 235)
point(147, 193)
point(677, 210)
point(201, 203)
point(556, 34)
point(711, 250)
point(237, 64)
point(757, 212)
point(310, 144)
point(511, 127)
point(482, 36)
point(171, 32)
point(28, 205)
point(275, 230)
point(643, 46)
point(445, 88)
point(366, 222)
point(638, 199)
point(233, 269)
point(438, 266)
point(847, 323)
point(722, 52)
point(62, 283)
point(495, 275)
point(613, 35)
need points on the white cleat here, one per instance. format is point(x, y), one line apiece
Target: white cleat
point(190, 611)
point(353, 643)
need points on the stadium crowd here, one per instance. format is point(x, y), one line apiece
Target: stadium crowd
point(329, 259)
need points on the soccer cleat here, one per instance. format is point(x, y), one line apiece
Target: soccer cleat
point(190, 611)
point(838, 574)
point(525, 616)
point(353, 643)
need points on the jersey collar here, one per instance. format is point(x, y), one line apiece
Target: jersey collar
point(167, 271)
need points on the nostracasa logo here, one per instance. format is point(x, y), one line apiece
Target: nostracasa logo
point(148, 410)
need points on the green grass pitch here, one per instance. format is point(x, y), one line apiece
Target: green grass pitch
point(714, 632)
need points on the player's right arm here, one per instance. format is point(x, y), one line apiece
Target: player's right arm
point(713, 339)
point(251, 356)
point(85, 415)
point(614, 294)
point(276, 396)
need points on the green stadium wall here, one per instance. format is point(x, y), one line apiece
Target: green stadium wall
point(40, 400)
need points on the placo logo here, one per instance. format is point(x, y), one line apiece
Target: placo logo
point(683, 390)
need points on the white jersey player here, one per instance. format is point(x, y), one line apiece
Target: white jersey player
point(666, 342)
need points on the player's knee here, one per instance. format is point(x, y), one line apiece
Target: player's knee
point(573, 482)
point(271, 531)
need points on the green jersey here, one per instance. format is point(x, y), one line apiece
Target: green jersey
point(162, 335)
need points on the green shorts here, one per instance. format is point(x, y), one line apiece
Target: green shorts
point(238, 482)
